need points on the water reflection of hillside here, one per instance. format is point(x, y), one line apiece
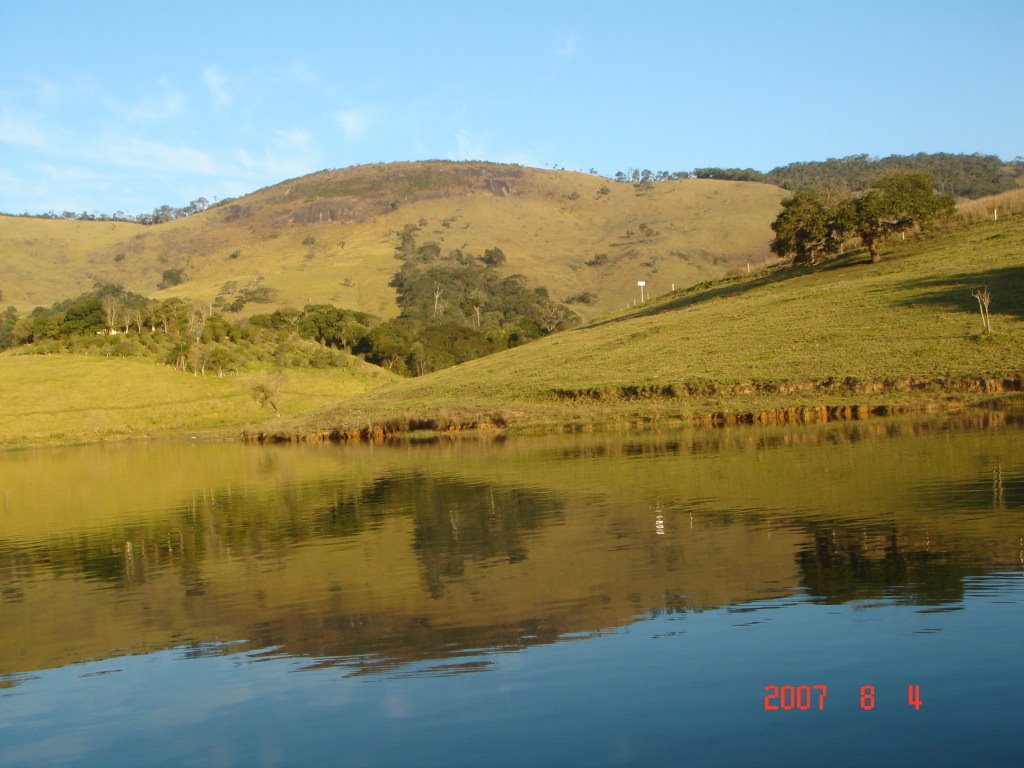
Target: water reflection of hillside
point(377, 557)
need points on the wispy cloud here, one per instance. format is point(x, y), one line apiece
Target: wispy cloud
point(19, 130)
point(287, 154)
point(303, 71)
point(269, 166)
point(165, 104)
point(353, 122)
point(468, 147)
point(216, 83)
point(295, 139)
point(567, 49)
point(155, 156)
point(74, 173)
point(68, 187)
point(520, 158)
point(9, 182)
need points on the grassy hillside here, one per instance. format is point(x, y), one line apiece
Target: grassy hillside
point(990, 208)
point(330, 237)
point(79, 398)
point(45, 260)
point(904, 330)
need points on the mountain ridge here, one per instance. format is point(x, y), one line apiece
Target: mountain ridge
point(330, 237)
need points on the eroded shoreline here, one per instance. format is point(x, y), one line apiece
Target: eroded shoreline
point(677, 404)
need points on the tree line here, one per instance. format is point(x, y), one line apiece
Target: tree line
point(160, 215)
point(189, 336)
point(970, 176)
point(454, 307)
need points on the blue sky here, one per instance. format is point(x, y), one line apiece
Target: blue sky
point(112, 106)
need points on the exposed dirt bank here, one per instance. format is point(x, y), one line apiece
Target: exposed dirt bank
point(846, 385)
point(668, 404)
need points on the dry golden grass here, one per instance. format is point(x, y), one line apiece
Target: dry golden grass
point(83, 398)
point(1010, 203)
point(330, 237)
point(43, 261)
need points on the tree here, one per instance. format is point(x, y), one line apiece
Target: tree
point(388, 344)
point(172, 314)
point(268, 391)
point(178, 354)
point(198, 314)
point(429, 251)
point(198, 205)
point(552, 316)
point(164, 213)
point(494, 257)
point(984, 302)
point(221, 359)
point(898, 202)
point(111, 305)
point(808, 228)
point(8, 319)
point(331, 326)
point(438, 306)
point(80, 316)
point(132, 316)
point(198, 356)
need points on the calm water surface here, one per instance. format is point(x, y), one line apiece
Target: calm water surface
point(586, 600)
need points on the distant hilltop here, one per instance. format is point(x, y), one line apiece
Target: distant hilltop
point(331, 238)
point(964, 176)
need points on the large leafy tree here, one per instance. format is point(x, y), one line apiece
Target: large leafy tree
point(331, 326)
point(809, 227)
point(897, 203)
point(812, 225)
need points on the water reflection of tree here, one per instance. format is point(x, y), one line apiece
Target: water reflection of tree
point(456, 522)
point(842, 564)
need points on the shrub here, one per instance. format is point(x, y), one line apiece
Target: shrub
point(171, 277)
point(494, 257)
point(587, 297)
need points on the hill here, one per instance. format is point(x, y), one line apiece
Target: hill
point(903, 332)
point(330, 238)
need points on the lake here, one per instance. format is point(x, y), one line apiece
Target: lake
point(839, 594)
